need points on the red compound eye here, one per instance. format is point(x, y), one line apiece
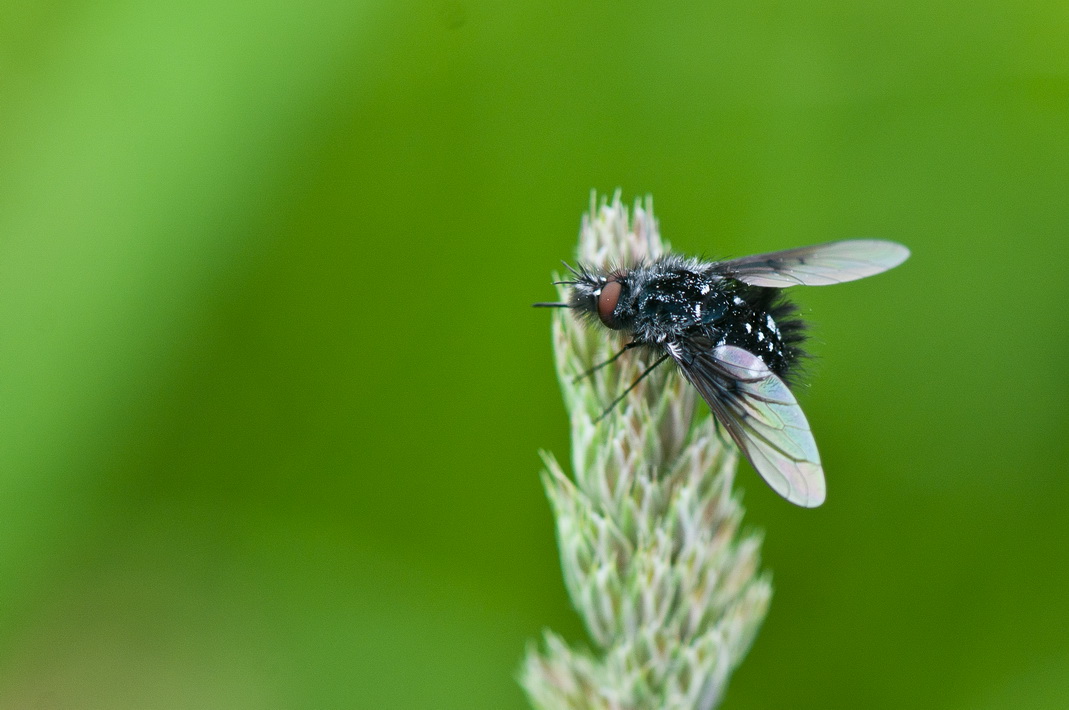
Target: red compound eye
point(610, 294)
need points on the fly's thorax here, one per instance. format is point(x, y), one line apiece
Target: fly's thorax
point(673, 303)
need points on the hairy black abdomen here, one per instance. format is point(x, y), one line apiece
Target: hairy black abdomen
point(768, 326)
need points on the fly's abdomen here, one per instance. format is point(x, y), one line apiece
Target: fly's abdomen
point(758, 332)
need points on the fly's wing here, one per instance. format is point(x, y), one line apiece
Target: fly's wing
point(761, 415)
point(817, 265)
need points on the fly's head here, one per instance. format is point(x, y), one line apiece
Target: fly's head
point(606, 297)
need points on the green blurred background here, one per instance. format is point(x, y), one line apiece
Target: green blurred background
point(271, 390)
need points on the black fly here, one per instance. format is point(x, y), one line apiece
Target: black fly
point(734, 336)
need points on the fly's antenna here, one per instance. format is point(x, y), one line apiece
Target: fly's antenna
point(579, 275)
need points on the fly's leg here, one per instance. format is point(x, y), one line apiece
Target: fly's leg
point(633, 385)
point(630, 346)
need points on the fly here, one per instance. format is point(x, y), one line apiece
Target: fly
point(735, 337)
